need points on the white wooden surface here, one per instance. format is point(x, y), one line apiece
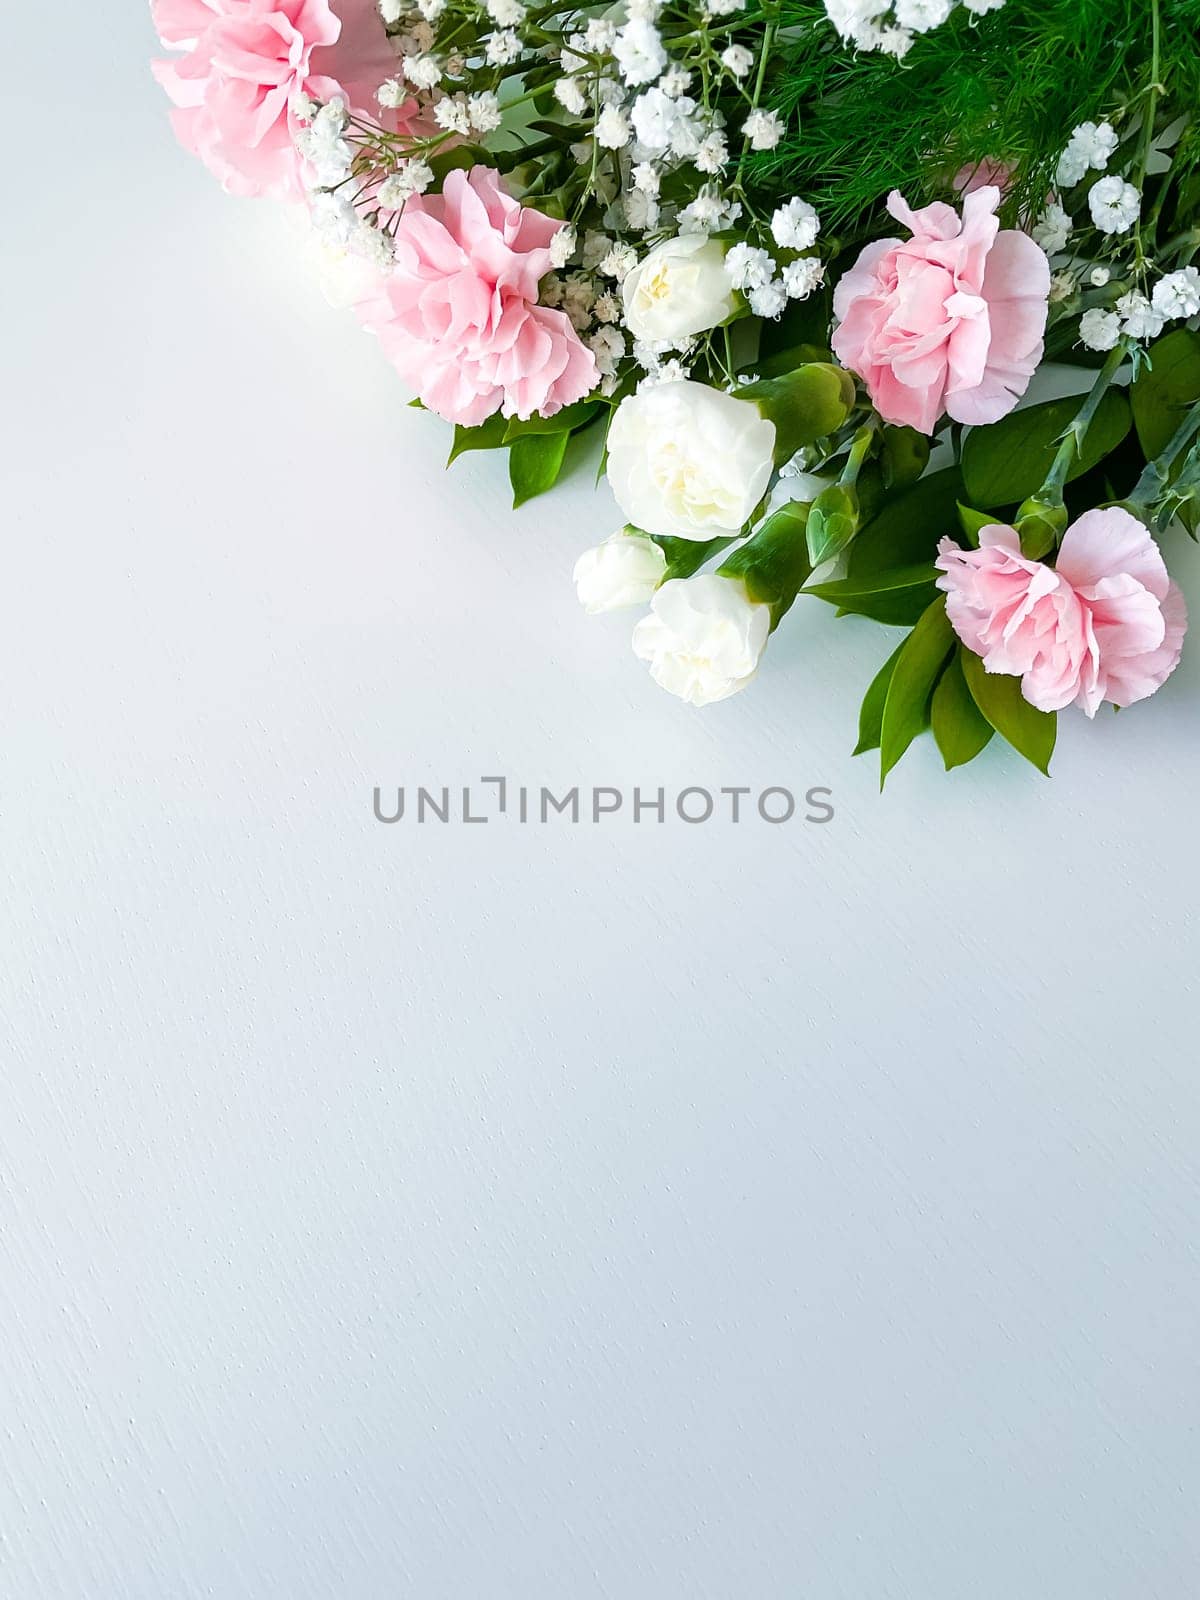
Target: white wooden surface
point(729, 1212)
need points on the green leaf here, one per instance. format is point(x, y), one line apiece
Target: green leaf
point(796, 355)
point(774, 563)
point(488, 435)
point(1165, 387)
point(959, 727)
point(565, 421)
point(906, 709)
point(534, 463)
point(909, 524)
point(904, 456)
point(897, 597)
point(998, 696)
point(870, 718)
point(1007, 461)
point(971, 521)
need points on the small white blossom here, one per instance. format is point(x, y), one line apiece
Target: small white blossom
point(676, 82)
point(768, 300)
point(1052, 229)
point(748, 267)
point(1062, 287)
point(980, 8)
point(764, 129)
point(1100, 330)
point(801, 277)
point(302, 107)
point(1139, 319)
point(562, 247)
point(452, 114)
point(410, 178)
point(1091, 145)
point(599, 35)
point(608, 347)
point(712, 154)
point(921, 15)
point(639, 53)
point(1099, 276)
point(1178, 294)
point(895, 42)
point(1115, 205)
point(570, 96)
point(708, 211)
point(641, 210)
point(737, 59)
point(431, 10)
point(483, 109)
point(619, 262)
point(503, 48)
point(579, 294)
point(723, 8)
point(391, 11)
point(424, 72)
point(607, 308)
point(795, 226)
point(391, 94)
point(645, 178)
point(506, 13)
point(612, 129)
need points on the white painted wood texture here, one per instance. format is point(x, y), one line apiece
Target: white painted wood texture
point(710, 1212)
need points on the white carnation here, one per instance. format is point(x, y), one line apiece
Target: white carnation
point(704, 636)
point(623, 571)
point(678, 290)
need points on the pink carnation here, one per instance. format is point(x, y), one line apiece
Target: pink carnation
point(949, 320)
point(1105, 623)
point(243, 64)
point(458, 317)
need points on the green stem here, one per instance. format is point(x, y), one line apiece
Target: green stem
point(1072, 443)
point(1157, 473)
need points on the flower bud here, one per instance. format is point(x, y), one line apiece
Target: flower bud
point(623, 571)
point(1041, 524)
point(806, 404)
point(774, 564)
point(833, 520)
point(904, 456)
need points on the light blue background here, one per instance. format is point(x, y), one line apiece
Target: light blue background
point(712, 1212)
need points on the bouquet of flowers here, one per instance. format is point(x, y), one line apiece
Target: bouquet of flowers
point(796, 262)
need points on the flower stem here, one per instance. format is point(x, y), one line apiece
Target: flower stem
point(1051, 492)
point(1157, 473)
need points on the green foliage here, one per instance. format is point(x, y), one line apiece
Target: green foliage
point(1008, 461)
point(959, 727)
point(534, 463)
point(1007, 86)
point(998, 696)
point(918, 664)
point(1165, 387)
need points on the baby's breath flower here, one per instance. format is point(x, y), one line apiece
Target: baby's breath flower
point(608, 347)
point(1099, 276)
point(802, 276)
point(1052, 229)
point(619, 262)
point(921, 15)
point(612, 129)
point(676, 82)
point(506, 13)
point(570, 96)
point(1115, 205)
point(1138, 317)
point(764, 129)
point(503, 48)
point(737, 59)
point(452, 114)
point(645, 178)
point(391, 94)
point(639, 53)
point(768, 300)
point(712, 154)
point(794, 226)
point(748, 267)
point(423, 71)
point(391, 11)
point(1091, 145)
point(1178, 294)
point(483, 109)
point(562, 247)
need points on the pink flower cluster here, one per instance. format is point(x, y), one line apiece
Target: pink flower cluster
point(459, 316)
point(243, 64)
point(1104, 623)
point(950, 320)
